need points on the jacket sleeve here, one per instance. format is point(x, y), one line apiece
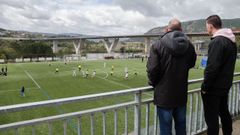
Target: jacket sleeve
point(153, 66)
point(215, 54)
point(193, 56)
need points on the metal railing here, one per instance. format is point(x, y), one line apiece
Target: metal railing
point(195, 117)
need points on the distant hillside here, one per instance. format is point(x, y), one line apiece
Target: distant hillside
point(198, 26)
point(27, 34)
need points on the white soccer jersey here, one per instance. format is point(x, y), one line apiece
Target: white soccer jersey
point(126, 75)
point(74, 73)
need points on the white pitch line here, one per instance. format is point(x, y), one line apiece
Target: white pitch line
point(148, 94)
point(119, 84)
point(115, 82)
point(106, 75)
point(32, 79)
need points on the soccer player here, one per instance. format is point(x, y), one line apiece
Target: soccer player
point(87, 73)
point(94, 73)
point(126, 75)
point(112, 67)
point(111, 73)
point(2, 73)
point(104, 64)
point(135, 73)
point(6, 70)
point(22, 92)
point(74, 73)
point(57, 70)
point(49, 64)
point(83, 74)
point(79, 67)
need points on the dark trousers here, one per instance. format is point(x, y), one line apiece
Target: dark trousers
point(215, 106)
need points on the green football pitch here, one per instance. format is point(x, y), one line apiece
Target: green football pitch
point(42, 83)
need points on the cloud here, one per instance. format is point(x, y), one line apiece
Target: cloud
point(147, 7)
point(106, 17)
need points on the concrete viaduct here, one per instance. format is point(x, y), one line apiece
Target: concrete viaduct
point(110, 42)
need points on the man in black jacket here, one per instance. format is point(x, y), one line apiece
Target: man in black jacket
point(170, 59)
point(218, 76)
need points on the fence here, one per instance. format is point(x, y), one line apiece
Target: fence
point(195, 118)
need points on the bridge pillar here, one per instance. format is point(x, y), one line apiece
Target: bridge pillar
point(110, 46)
point(77, 45)
point(147, 46)
point(55, 47)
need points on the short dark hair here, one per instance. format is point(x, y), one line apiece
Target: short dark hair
point(215, 20)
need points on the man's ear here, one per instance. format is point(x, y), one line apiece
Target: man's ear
point(166, 29)
point(210, 26)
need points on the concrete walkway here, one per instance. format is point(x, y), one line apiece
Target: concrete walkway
point(236, 128)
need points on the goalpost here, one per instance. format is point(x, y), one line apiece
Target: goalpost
point(72, 57)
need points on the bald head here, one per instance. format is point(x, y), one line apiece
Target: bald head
point(174, 24)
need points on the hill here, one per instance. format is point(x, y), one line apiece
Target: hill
point(27, 34)
point(198, 26)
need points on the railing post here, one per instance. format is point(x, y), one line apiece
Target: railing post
point(137, 114)
point(104, 123)
point(196, 112)
point(234, 100)
point(126, 121)
point(16, 131)
point(238, 93)
point(50, 128)
point(147, 118)
point(190, 114)
point(33, 130)
point(115, 122)
point(79, 126)
point(92, 123)
point(155, 117)
point(65, 127)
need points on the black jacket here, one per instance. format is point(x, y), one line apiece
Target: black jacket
point(218, 75)
point(170, 59)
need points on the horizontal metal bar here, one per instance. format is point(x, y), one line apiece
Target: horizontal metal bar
point(33, 122)
point(17, 107)
point(195, 81)
point(65, 116)
point(69, 115)
point(24, 106)
point(201, 79)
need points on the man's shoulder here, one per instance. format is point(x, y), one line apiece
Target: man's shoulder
point(221, 41)
point(157, 44)
point(216, 40)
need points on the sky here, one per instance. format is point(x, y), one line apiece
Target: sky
point(107, 17)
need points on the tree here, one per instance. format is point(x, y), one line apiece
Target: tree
point(2, 56)
point(122, 49)
point(36, 49)
point(9, 53)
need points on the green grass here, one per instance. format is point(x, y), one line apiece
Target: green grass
point(63, 84)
